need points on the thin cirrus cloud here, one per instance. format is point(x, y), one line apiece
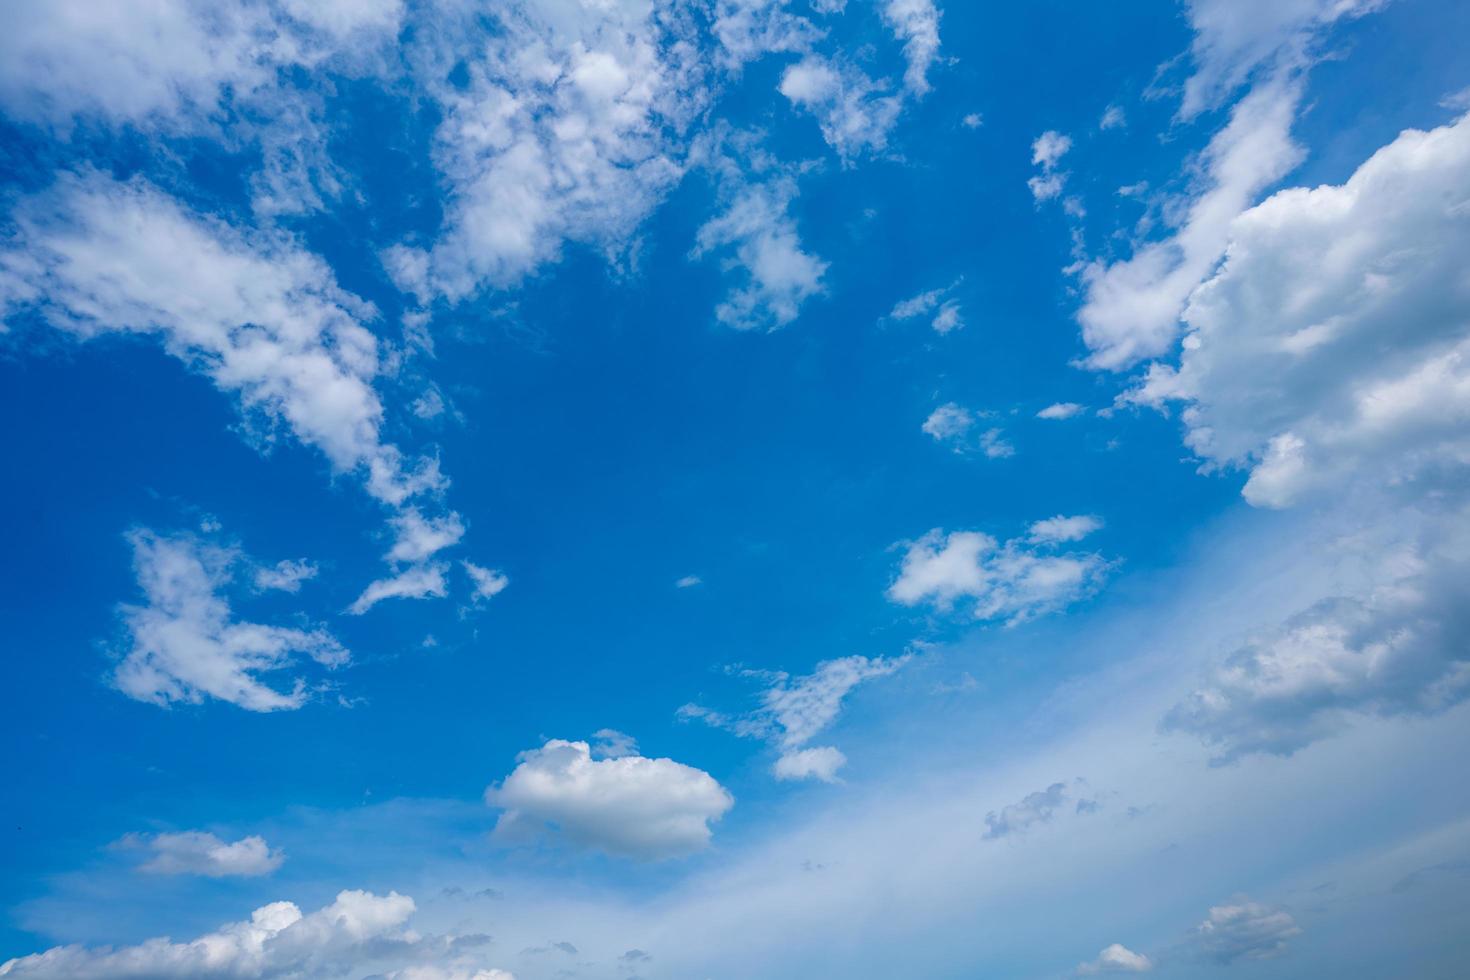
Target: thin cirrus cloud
point(627, 806)
point(793, 711)
point(1012, 582)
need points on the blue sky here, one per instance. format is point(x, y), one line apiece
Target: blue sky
point(668, 488)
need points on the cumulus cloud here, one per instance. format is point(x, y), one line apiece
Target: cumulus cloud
point(1046, 152)
point(1117, 958)
point(1333, 344)
point(793, 711)
point(952, 424)
point(1061, 411)
point(757, 233)
point(854, 112)
point(185, 644)
point(487, 582)
point(1398, 649)
point(1133, 305)
point(1245, 930)
point(195, 852)
point(1016, 581)
point(278, 941)
point(948, 422)
point(253, 311)
point(1060, 528)
point(285, 576)
point(1034, 809)
point(629, 805)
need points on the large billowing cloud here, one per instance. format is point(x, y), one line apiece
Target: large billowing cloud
point(1333, 344)
point(630, 805)
point(277, 942)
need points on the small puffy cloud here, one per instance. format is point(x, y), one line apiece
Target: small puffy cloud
point(973, 120)
point(1061, 411)
point(948, 422)
point(285, 576)
point(916, 24)
point(1048, 149)
point(486, 583)
point(629, 806)
point(1015, 581)
point(1117, 958)
point(418, 537)
point(418, 582)
point(1245, 930)
point(854, 112)
point(1317, 374)
point(821, 762)
point(278, 942)
point(756, 229)
point(185, 643)
point(688, 582)
point(793, 711)
point(195, 852)
point(1034, 809)
point(1059, 528)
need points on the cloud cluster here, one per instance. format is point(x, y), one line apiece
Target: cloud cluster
point(185, 643)
point(194, 852)
point(1015, 582)
point(1116, 958)
point(1245, 930)
point(793, 711)
point(628, 805)
point(947, 313)
point(1035, 809)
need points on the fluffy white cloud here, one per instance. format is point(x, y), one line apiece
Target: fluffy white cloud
point(1132, 306)
point(948, 422)
point(285, 576)
point(821, 762)
point(629, 805)
point(1061, 410)
point(1046, 152)
point(260, 316)
point(916, 24)
point(1117, 958)
point(194, 852)
point(853, 111)
point(747, 29)
point(418, 537)
point(425, 581)
point(1333, 344)
point(1060, 528)
point(277, 942)
point(794, 711)
point(185, 643)
point(1397, 649)
point(1015, 582)
point(487, 582)
point(1245, 930)
point(755, 224)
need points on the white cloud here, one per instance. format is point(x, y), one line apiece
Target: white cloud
point(185, 644)
point(820, 763)
point(194, 852)
point(488, 582)
point(756, 224)
point(948, 422)
point(278, 942)
point(747, 29)
point(261, 317)
point(1237, 39)
point(1117, 958)
point(630, 806)
point(419, 538)
point(973, 120)
point(1034, 809)
point(1245, 930)
point(1113, 118)
point(916, 24)
point(285, 576)
point(793, 712)
point(416, 582)
point(852, 110)
point(948, 316)
point(688, 582)
point(1132, 306)
point(1333, 344)
point(1059, 528)
point(1061, 410)
point(1046, 152)
point(1014, 582)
